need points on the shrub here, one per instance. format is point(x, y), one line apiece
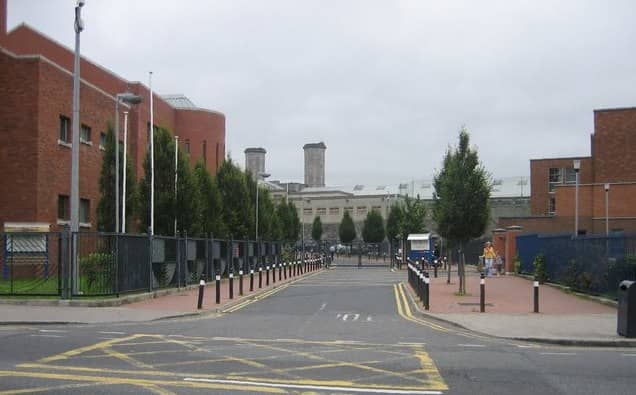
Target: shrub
point(97, 265)
point(539, 268)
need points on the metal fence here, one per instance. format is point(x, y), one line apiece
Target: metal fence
point(590, 264)
point(107, 264)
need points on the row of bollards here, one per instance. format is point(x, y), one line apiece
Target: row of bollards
point(420, 282)
point(285, 270)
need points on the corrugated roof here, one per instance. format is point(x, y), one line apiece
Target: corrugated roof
point(503, 187)
point(179, 101)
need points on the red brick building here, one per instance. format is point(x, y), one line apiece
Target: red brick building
point(612, 162)
point(36, 84)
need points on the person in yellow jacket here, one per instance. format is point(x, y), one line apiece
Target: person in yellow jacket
point(489, 257)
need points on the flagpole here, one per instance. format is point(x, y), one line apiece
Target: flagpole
point(152, 160)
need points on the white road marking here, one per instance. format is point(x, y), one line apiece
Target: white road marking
point(344, 317)
point(52, 331)
point(47, 336)
point(316, 387)
point(526, 346)
point(323, 306)
point(369, 319)
point(356, 316)
point(412, 344)
point(628, 355)
point(557, 353)
point(113, 333)
point(471, 345)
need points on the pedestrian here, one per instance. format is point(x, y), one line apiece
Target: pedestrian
point(489, 257)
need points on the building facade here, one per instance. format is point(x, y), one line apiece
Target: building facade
point(315, 164)
point(606, 183)
point(36, 83)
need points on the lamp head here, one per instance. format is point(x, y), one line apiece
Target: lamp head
point(576, 164)
point(607, 186)
point(129, 97)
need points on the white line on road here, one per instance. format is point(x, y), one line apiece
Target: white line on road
point(47, 336)
point(558, 353)
point(52, 331)
point(323, 306)
point(628, 355)
point(412, 344)
point(317, 387)
point(369, 319)
point(471, 345)
point(112, 333)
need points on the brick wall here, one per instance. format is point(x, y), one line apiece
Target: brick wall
point(614, 145)
point(539, 176)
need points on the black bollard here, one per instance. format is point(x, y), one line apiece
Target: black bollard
point(427, 295)
point(273, 273)
point(536, 294)
point(251, 280)
point(267, 276)
point(218, 288)
point(201, 288)
point(436, 262)
point(280, 271)
point(284, 270)
point(241, 282)
point(231, 285)
point(260, 277)
point(482, 293)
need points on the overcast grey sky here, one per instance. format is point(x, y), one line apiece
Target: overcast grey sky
point(385, 84)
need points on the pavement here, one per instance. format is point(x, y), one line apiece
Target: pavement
point(564, 318)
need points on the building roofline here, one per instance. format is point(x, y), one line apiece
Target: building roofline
point(562, 158)
point(97, 65)
point(315, 145)
point(255, 150)
point(615, 109)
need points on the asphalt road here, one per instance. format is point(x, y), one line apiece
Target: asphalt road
point(342, 331)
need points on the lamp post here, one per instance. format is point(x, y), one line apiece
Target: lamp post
point(128, 98)
point(258, 177)
point(607, 188)
point(123, 184)
point(577, 166)
point(79, 26)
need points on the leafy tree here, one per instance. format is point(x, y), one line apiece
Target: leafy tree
point(393, 226)
point(211, 218)
point(316, 229)
point(289, 221)
point(373, 227)
point(106, 205)
point(461, 205)
point(406, 218)
point(185, 208)
point(268, 223)
point(347, 230)
point(238, 210)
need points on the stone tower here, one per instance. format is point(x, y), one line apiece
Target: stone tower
point(255, 161)
point(315, 164)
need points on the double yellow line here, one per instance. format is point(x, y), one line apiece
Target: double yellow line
point(405, 311)
point(254, 299)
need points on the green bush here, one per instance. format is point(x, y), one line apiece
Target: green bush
point(97, 266)
point(539, 268)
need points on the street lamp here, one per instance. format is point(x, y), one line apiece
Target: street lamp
point(259, 175)
point(79, 26)
point(128, 98)
point(577, 166)
point(607, 188)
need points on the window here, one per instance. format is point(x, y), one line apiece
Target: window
point(552, 205)
point(85, 134)
point(334, 210)
point(102, 141)
point(205, 155)
point(376, 208)
point(63, 208)
point(321, 211)
point(348, 209)
point(307, 211)
point(65, 130)
point(85, 209)
point(554, 178)
point(361, 210)
point(187, 146)
point(570, 175)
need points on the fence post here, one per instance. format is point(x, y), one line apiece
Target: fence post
point(178, 241)
point(427, 294)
